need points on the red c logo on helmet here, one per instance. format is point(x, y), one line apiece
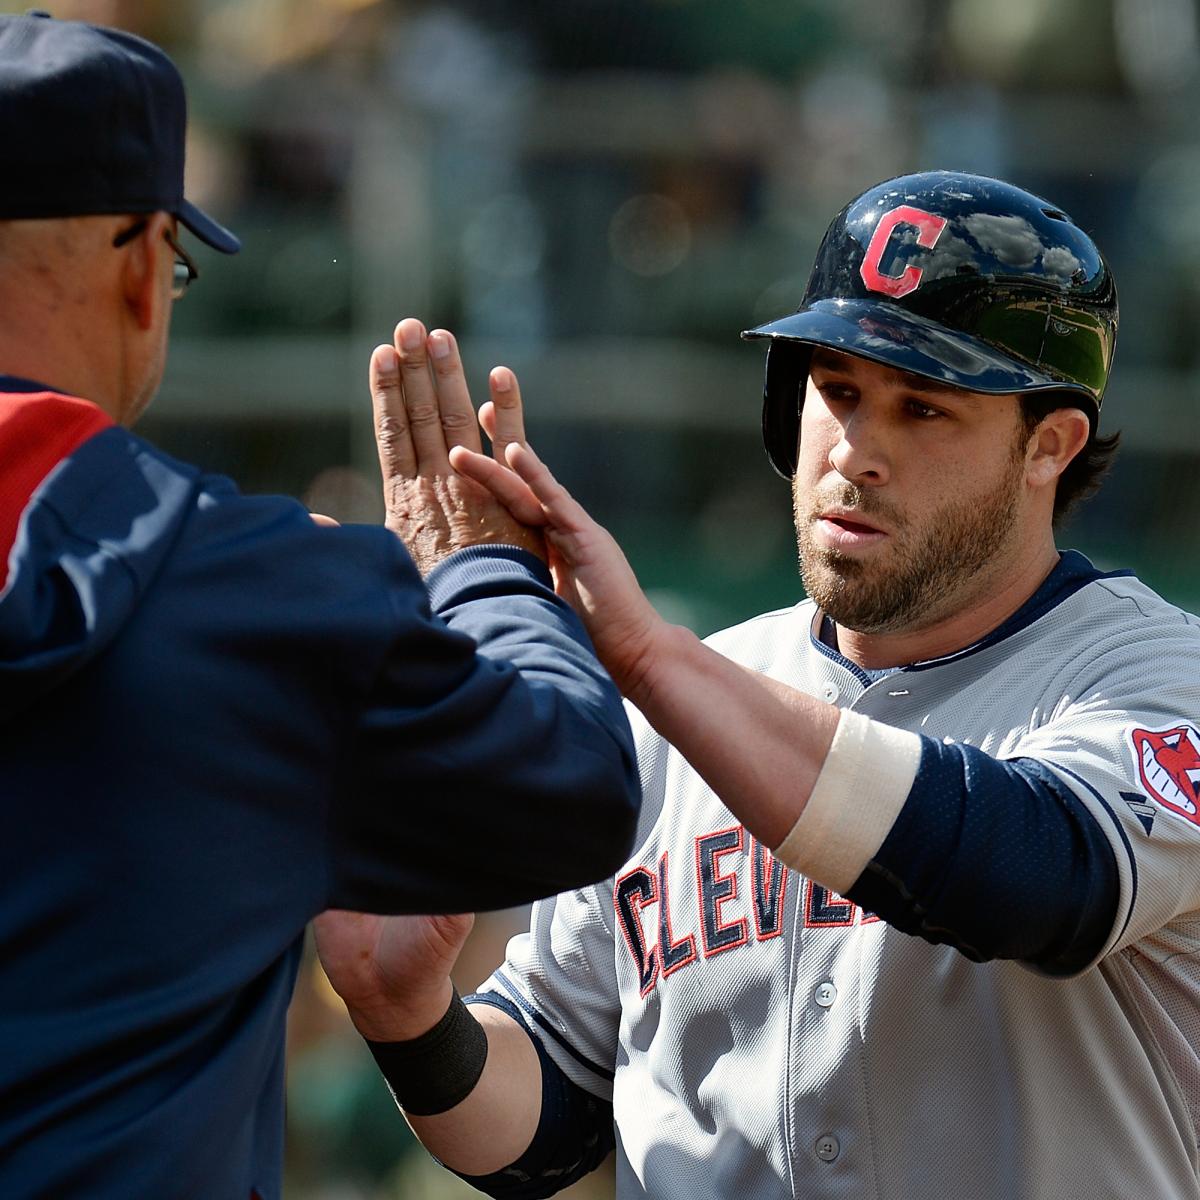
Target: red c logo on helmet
point(929, 228)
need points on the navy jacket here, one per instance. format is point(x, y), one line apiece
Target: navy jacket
point(218, 719)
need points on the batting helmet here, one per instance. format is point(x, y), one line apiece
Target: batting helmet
point(958, 278)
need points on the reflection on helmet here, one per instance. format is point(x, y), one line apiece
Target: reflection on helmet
point(959, 278)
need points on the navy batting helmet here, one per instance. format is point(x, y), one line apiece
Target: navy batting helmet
point(958, 278)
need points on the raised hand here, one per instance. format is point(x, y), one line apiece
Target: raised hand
point(422, 411)
point(392, 972)
point(590, 570)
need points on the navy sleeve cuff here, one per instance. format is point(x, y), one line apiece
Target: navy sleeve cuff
point(482, 571)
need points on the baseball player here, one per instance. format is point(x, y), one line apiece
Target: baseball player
point(914, 909)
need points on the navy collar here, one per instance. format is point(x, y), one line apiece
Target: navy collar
point(1072, 572)
point(14, 383)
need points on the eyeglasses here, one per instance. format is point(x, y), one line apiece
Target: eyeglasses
point(185, 269)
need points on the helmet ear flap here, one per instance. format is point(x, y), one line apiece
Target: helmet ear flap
point(783, 394)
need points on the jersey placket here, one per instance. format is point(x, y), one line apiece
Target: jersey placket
point(825, 1119)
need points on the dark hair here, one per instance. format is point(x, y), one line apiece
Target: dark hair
point(1086, 471)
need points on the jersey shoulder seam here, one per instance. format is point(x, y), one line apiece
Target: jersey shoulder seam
point(731, 631)
point(1164, 610)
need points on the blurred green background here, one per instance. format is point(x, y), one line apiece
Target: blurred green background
point(601, 194)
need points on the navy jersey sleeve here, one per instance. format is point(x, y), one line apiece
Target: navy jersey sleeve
point(999, 859)
point(491, 757)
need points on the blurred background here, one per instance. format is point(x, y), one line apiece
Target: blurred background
point(602, 194)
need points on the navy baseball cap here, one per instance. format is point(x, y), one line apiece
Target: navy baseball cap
point(92, 121)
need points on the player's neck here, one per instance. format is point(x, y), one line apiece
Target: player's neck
point(37, 346)
point(988, 604)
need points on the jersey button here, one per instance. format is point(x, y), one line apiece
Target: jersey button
point(829, 693)
point(828, 1147)
point(825, 994)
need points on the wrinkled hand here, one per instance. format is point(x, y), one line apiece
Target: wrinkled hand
point(392, 972)
point(422, 410)
point(590, 570)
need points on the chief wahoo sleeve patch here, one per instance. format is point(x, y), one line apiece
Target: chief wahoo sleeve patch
point(1167, 763)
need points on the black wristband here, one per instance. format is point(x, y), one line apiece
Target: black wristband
point(434, 1072)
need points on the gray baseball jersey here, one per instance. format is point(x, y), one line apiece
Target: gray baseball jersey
point(760, 1036)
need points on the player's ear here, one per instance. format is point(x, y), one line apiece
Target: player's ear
point(142, 270)
point(1058, 438)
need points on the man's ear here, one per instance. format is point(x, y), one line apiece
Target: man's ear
point(1060, 436)
point(142, 272)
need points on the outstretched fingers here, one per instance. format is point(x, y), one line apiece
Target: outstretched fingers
point(459, 424)
point(562, 511)
point(397, 457)
point(592, 574)
point(509, 489)
point(503, 417)
point(525, 487)
point(421, 399)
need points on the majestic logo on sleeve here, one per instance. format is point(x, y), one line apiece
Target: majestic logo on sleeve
point(1168, 766)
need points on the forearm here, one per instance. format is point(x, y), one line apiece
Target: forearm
point(758, 743)
point(901, 823)
point(494, 1125)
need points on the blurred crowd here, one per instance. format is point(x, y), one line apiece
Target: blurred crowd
point(602, 193)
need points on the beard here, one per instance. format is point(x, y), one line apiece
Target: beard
point(926, 570)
